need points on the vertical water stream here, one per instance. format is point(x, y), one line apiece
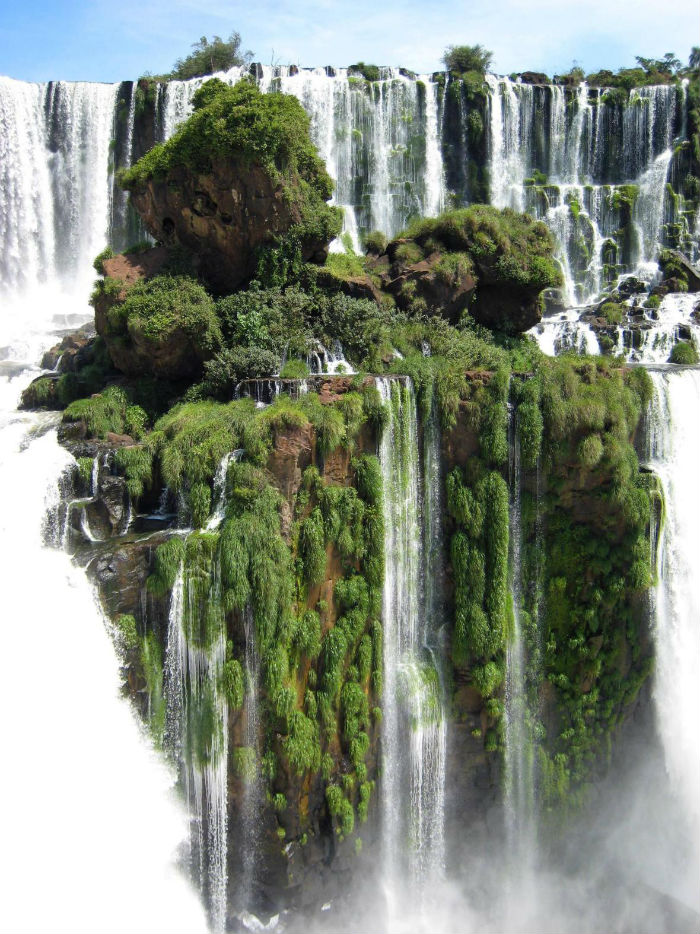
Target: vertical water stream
point(413, 773)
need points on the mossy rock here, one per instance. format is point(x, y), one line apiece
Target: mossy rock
point(240, 186)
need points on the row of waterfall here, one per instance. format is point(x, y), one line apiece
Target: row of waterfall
point(398, 148)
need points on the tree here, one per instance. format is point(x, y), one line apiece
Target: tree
point(210, 56)
point(667, 65)
point(694, 60)
point(461, 58)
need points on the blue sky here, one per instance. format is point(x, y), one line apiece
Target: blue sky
point(110, 40)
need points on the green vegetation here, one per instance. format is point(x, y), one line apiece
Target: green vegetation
point(368, 72)
point(467, 58)
point(507, 247)
point(109, 411)
point(209, 56)
point(241, 123)
point(684, 352)
point(297, 563)
point(155, 308)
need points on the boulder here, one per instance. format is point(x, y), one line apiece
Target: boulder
point(423, 281)
point(72, 353)
point(533, 77)
point(223, 218)
point(676, 267)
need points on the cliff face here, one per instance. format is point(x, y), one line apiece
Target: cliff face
point(304, 851)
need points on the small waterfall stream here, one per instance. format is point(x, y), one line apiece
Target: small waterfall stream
point(197, 725)
point(674, 452)
point(413, 773)
point(519, 760)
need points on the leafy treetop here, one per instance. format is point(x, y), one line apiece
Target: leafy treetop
point(463, 58)
point(210, 56)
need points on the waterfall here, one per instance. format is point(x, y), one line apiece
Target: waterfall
point(519, 760)
point(413, 773)
point(382, 142)
point(83, 778)
point(580, 182)
point(379, 140)
point(253, 793)
point(434, 745)
point(197, 726)
point(219, 511)
point(674, 449)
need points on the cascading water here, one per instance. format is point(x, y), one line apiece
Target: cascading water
point(674, 450)
point(197, 725)
point(379, 141)
point(570, 181)
point(253, 793)
point(219, 510)
point(93, 775)
point(519, 760)
point(412, 837)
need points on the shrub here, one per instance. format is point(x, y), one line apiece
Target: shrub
point(156, 309)
point(104, 412)
point(312, 548)
point(137, 464)
point(684, 352)
point(368, 72)
point(295, 369)
point(233, 683)
point(302, 745)
point(98, 261)
point(375, 242)
point(612, 312)
point(307, 638)
point(209, 56)
point(461, 58)
point(228, 367)
point(506, 247)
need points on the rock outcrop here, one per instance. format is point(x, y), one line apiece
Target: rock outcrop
point(240, 177)
point(224, 218)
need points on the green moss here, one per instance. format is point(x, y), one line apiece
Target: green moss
point(245, 763)
point(684, 352)
point(105, 412)
point(128, 633)
point(295, 369)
